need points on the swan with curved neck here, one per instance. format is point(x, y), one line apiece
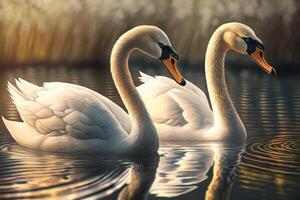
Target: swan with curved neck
point(64, 117)
point(187, 114)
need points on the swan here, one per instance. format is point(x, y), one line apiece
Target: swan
point(184, 113)
point(63, 117)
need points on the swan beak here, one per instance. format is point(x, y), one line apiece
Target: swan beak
point(258, 57)
point(171, 64)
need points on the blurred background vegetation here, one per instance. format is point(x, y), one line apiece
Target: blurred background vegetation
point(78, 31)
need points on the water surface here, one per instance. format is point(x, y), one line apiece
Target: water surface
point(266, 167)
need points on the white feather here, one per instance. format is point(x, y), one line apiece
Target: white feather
point(61, 109)
point(175, 109)
point(70, 118)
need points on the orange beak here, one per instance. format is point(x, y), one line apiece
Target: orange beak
point(171, 64)
point(258, 57)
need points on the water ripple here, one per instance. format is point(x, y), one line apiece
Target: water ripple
point(31, 174)
point(279, 154)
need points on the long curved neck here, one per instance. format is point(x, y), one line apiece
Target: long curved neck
point(225, 114)
point(143, 132)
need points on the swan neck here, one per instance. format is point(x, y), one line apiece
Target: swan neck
point(225, 114)
point(143, 132)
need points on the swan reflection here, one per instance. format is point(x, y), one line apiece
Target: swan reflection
point(226, 159)
point(182, 169)
point(142, 175)
point(177, 171)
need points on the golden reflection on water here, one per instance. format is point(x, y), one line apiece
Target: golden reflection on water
point(40, 175)
point(177, 171)
point(271, 160)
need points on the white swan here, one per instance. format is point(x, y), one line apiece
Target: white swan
point(183, 113)
point(63, 117)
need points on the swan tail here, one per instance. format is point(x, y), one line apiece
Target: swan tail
point(23, 92)
point(22, 133)
point(15, 94)
point(29, 90)
point(145, 77)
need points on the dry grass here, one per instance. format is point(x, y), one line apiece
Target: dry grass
point(54, 31)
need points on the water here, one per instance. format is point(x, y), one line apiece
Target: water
point(266, 167)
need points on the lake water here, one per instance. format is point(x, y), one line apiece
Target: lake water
point(266, 167)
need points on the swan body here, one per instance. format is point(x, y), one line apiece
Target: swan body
point(60, 114)
point(64, 117)
point(183, 113)
point(181, 109)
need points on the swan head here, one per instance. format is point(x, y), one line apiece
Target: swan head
point(242, 39)
point(152, 41)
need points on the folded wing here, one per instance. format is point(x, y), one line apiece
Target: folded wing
point(65, 109)
point(175, 105)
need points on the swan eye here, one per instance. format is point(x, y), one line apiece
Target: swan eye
point(161, 45)
point(248, 40)
point(252, 44)
point(167, 51)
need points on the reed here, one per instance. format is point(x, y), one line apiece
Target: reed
point(72, 31)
